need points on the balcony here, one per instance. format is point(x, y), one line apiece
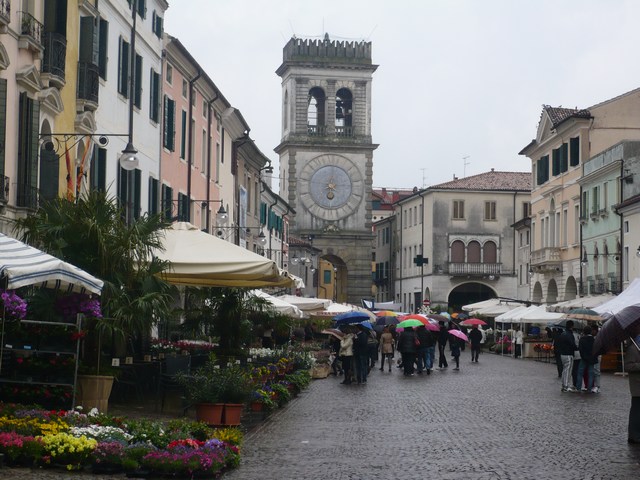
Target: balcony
point(4, 190)
point(603, 212)
point(474, 269)
point(5, 15)
point(345, 131)
point(88, 86)
point(546, 259)
point(583, 219)
point(317, 130)
point(30, 33)
point(615, 285)
point(27, 197)
point(55, 54)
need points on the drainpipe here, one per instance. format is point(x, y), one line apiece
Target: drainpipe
point(282, 239)
point(422, 252)
point(581, 293)
point(190, 137)
point(400, 255)
point(621, 223)
point(513, 266)
point(208, 194)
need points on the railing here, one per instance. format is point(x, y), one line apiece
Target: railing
point(317, 130)
point(601, 286)
point(27, 196)
point(55, 54)
point(545, 255)
point(88, 82)
point(474, 268)
point(345, 131)
point(31, 27)
point(4, 190)
point(5, 11)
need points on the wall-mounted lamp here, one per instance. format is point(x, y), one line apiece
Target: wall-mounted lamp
point(492, 277)
point(531, 271)
point(295, 260)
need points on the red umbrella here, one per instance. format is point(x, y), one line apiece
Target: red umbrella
point(414, 316)
point(472, 321)
point(459, 334)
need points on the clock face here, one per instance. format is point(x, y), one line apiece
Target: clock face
point(330, 186)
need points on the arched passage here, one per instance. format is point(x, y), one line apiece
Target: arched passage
point(470, 292)
point(570, 289)
point(537, 293)
point(552, 292)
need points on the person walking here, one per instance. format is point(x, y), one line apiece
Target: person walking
point(566, 346)
point(632, 367)
point(423, 336)
point(587, 360)
point(556, 350)
point(518, 340)
point(455, 345)
point(386, 348)
point(443, 337)
point(361, 354)
point(407, 347)
point(346, 355)
point(596, 366)
point(475, 337)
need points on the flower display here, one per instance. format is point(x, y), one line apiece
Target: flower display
point(65, 449)
point(15, 308)
point(163, 346)
point(70, 305)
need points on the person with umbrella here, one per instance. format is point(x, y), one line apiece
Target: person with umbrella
point(475, 336)
point(407, 347)
point(386, 348)
point(346, 355)
point(632, 366)
point(361, 354)
point(455, 343)
point(443, 337)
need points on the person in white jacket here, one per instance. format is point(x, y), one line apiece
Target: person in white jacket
point(346, 357)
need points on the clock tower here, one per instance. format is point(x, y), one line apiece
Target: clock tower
point(326, 155)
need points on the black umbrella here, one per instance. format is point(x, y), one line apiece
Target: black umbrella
point(387, 321)
point(624, 324)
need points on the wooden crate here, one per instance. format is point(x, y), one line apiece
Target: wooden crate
point(611, 362)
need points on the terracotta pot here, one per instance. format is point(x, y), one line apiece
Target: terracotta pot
point(232, 414)
point(256, 406)
point(209, 413)
point(93, 392)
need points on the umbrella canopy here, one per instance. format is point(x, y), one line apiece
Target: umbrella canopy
point(350, 318)
point(278, 305)
point(437, 317)
point(334, 332)
point(24, 265)
point(384, 321)
point(385, 313)
point(459, 334)
point(624, 324)
point(306, 304)
point(200, 259)
point(472, 321)
point(414, 316)
point(577, 324)
point(583, 314)
point(459, 315)
point(366, 324)
point(410, 323)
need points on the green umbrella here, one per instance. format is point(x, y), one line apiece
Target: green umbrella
point(410, 323)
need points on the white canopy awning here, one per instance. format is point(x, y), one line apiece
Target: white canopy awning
point(590, 301)
point(24, 265)
point(491, 307)
point(395, 306)
point(279, 305)
point(629, 296)
point(511, 315)
point(306, 304)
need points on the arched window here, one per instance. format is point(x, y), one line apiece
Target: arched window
point(457, 252)
point(344, 108)
point(316, 108)
point(473, 252)
point(490, 253)
point(286, 110)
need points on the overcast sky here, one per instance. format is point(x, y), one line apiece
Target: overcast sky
point(456, 79)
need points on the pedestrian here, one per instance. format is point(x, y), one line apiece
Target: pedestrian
point(596, 366)
point(386, 348)
point(334, 348)
point(431, 351)
point(455, 345)
point(423, 337)
point(361, 354)
point(372, 348)
point(632, 367)
point(475, 337)
point(346, 356)
point(566, 346)
point(443, 337)
point(518, 341)
point(556, 350)
point(587, 360)
point(407, 347)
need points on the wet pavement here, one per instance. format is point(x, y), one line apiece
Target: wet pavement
point(498, 419)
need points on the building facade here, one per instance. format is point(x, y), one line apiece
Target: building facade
point(326, 153)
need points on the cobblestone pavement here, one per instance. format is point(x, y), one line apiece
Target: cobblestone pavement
point(498, 419)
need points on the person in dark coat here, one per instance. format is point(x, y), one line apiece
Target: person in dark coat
point(632, 366)
point(443, 337)
point(475, 337)
point(556, 352)
point(424, 337)
point(566, 345)
point(407, 347)
point(587, 360)
point(361, 354)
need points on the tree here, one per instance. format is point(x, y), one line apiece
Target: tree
point(93, 235)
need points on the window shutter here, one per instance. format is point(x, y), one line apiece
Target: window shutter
point(34, 111)
point(574, 145)
point(123, 69)
point(102, 48)
point(564, 157)
point(165, 123)
point(98, 170)
point(87, 36)
point(555, 162)
point(153, 196)
point(137, 99)
point(3, 124)
point(137, 193)
point(183, 135)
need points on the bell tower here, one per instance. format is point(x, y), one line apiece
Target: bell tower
point(326, 154)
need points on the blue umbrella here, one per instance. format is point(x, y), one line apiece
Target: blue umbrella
point(367, 324)
point(349, 318)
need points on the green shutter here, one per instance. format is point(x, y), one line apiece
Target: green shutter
point(183, 139)
point(33, 147)
point(574, 158)
point(555, 162)
point(3, 124)
point(137, 193)
point(564, 157)
point(102, 48)
point(137, 99)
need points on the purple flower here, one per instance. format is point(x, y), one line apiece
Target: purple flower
point(15, 308)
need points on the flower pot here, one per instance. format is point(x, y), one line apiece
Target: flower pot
point(256, 406)
point(209, 413)
point(232, 413)
point(93, 392)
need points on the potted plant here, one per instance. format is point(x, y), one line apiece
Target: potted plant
point(203, 392)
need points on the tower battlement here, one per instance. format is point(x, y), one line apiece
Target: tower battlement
point(326, 50)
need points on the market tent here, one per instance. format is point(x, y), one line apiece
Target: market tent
point(24, 265)
point(200, 259)
point(538, 314)
point(629, 296)
point(589, 301)
point(306, 304)
point(492, 302)
point(297, 281)
point(371, 305)
point(279, 305)
point(490, 308)
point(512, 316)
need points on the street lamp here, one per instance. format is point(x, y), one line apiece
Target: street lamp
point(128, 159)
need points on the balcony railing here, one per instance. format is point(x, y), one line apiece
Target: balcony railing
point(345, 131)
point(88, 82)
point(5, 13)
point(547, 255)
point(317, 130)
point(31, 28)
point(4, 189)
point(27, 196)
point(55, 54)
point(615, 285)
point(474, 268)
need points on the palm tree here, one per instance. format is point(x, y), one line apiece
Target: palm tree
point(93, 235)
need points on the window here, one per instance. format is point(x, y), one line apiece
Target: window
point(183, 135)
point(168, 74)
point(605, 194)
point(157, 24)
point(185, 88)
point(28, 122)
point(3, 124)
point(585, 204)
point(543, 170)
point(169, 128)
point(574, 151)
point(576, 223)
point(154, 96)
point(183, 207)
point(327, 279)
point(203, 165)
point(565, 227)
point(528, 237)
point(473, 252)
point(457, 252)
point(153, 196)
point(626, 226)
point(167, 202)
point(595, 200)
point(490, 253)
point(142, 7)
point(526, 209)
point(129, 193)
point(458, 209)
point(217, 162)
point(103, 42)
point(204, 108)
point(520, 244)
point(123, 68)
point(421, 214)
point(564, 157)
point(490, 210)
point(98, 171)
point(137, 88)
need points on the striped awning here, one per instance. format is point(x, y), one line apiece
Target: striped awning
point(23, 265)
